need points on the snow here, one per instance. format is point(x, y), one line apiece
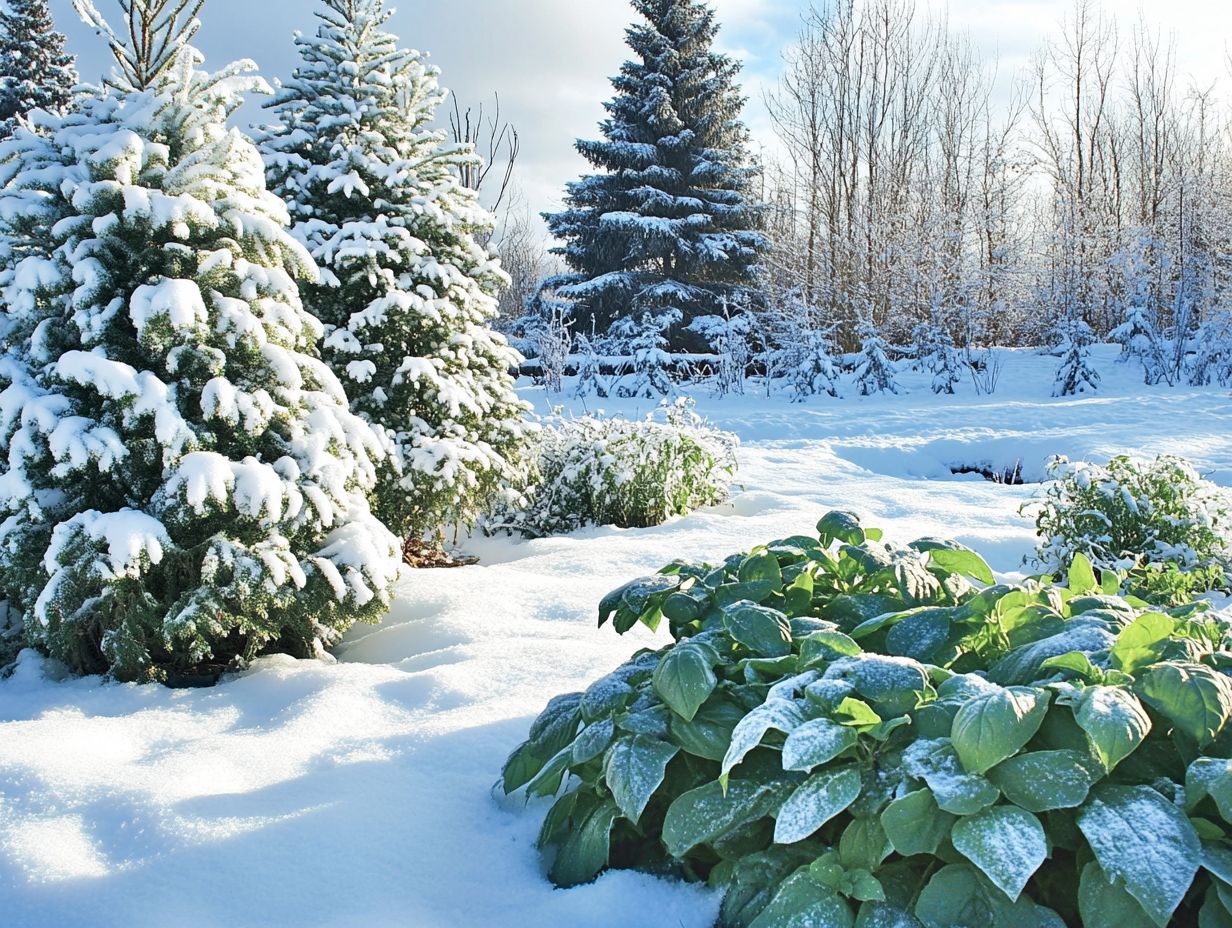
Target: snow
point(360, 792)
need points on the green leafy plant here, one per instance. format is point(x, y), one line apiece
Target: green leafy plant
point(629, 473)
point(850, 733)
point(1159, 521)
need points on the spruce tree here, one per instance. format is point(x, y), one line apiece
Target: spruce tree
point(407, 293)
point(35, 71)
point(874, 372)
point(1075, 374)
point(671, 223)
point(182, 478)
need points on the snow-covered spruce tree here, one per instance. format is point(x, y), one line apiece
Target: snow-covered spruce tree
point(1210, 355)
point(672, 222)
point(644, 343)
point(1075, 375)
point(35, 71)
point(407, 293)
point(590, 380)
point(182, 479)
point(874, 372)
point(813, 371)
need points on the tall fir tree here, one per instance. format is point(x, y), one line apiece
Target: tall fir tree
point(36, 73)
point(672, 223)
point(407, 292)
point(181, 479)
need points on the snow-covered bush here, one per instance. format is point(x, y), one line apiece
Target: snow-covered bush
point(728, 336)
point(1135, 515)
point(1075, 375)
point(629, 473)
point(811, 368)
point(407, 293)
point(180, 476)
point(846, 732)
point(933, 347)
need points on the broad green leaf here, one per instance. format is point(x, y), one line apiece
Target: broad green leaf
point(1041, 781)
point(1114, 720)
point(955, 790)
point(1210, 776)
point(1142, 839)
point(706, 813)
point(1105, 904)
point(592, 741)
point(605, 697)
point(521, 767)
point(1195, 698)
point(863, 844)
point(856, 713)
point(815, 743)
point(824, 647)
point(962, 561)
point(998, 725)
point(548, 780)
point(1007, 844)
point(611, 602)
point(915, 823)
point(682, 607)
point(731, 593)
point(884, 915)
point(685, 678)
point(639, 594)
point(634, 769)
point(892, 684)
point(1214, 913)
point(920, 635)
point(765, 632)
point(585, 851)
point(958, 897)
point(774, 715)
point(798, 597)
point(1141, 642)
point(1076, 662)
point(840, 526)
point(761, 568)
point(1217, 859)
point(1082, 576)
point(802, 902)
point(817, 800)
point(709, 732)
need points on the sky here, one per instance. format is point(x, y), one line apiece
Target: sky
point(550, 59)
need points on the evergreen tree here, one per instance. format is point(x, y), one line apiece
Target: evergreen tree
point(182, 479)
point(644, 342)
point(154, 31)
point(407, 293)
point(671, 224)
point(1075, 375)
point(874, 373)
point(813, 371)
point(35, 71)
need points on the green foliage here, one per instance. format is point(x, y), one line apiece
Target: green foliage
point(848, 732)
point(632, 474)
point(1161, 522)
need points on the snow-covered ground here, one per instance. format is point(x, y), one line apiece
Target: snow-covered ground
point(360, 793)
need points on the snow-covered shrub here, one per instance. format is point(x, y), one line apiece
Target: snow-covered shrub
point(181, 479)
point(811, 368)
point(629, 473)
point(1210, 358)
point(1135, 515)
point(846, 732)
point(1075, 375)
point(934, 351)
point(407, 293)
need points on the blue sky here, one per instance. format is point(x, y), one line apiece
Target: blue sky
point(550, 59)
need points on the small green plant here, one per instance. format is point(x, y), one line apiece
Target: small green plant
point(629, 473)
point(1159, 521)
point(850, 734)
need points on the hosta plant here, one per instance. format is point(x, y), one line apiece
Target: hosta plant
point(632, 473)
point(850, 733)
point(1158, 520)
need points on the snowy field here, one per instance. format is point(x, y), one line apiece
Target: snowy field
point(360, 793)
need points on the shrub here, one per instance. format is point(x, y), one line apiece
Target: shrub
point(1159, 520)
point(850, 733)
point(621, 472)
